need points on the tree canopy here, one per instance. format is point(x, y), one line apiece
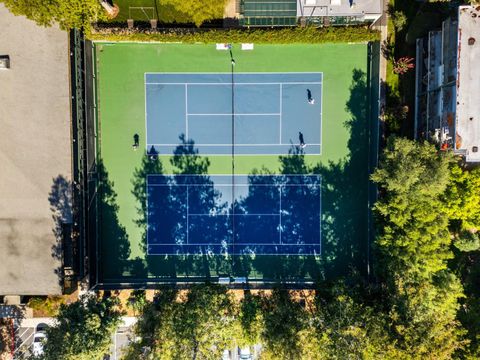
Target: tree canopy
point(83, 329)
point(462, 198)
point(413, 222)
point(68, 14)
point(199, 324)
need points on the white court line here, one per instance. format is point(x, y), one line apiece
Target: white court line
point(320, 211)
point(231, 244)
point(190, 214)
point(186, 110)
point(146, 113)
point(321, 116)
point(236, 185)
point(228, 73)
point(230, 83)
point(238, 175)
point(230, 114)
point(281, 111)
point(256, 175)
point(280, 215)
point(236, 144)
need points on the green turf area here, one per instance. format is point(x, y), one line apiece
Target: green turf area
point(344, 163)
point(169, 11)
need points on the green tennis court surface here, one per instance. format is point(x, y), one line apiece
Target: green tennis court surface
point(344, 131)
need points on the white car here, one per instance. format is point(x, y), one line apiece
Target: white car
point(245, 354)
point(39, 339)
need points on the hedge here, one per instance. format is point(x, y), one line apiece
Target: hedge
point(310, 35)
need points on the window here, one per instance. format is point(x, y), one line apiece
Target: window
point(4, 62)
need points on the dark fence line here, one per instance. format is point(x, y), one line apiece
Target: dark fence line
point(84, 158)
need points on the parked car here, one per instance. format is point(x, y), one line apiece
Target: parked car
point(39, 339)
point(245, 353)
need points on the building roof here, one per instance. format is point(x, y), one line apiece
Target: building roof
point(35, 153)
point(468, 83)
point(368, 9)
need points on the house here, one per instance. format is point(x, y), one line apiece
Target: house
point(304, 12)
point(35, 153)
point(447, 109)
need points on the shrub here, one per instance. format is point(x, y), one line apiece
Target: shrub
point(399, 20)
point(48, 306)
point(260, 36)
point(467, 241)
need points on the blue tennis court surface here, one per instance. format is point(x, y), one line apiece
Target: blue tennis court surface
point(268, 111)
point(241, 214)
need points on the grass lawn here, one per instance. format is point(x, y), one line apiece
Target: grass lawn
point(169, 11)
point(343, 165)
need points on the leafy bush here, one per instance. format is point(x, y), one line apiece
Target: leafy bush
point(467, 241)
point(399, 20)
point(259, 36)
point(137, 300)
point(48, 306)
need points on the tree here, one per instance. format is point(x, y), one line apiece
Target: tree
point(200, 324)
point(206, 324)
point(346, 328)
point(68, 14)
point(155, 328)
point(413, 225)
point(413, 245)
point(83, 329)
point(423, 316)
point(284, 320)
point(251, 320)
point(462, 198)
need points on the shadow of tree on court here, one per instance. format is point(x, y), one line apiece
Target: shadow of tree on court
point(60, 199)
point(115, 245)
point(304, 265)
point(206, 229)
point(167, 214)
point(344, 213)
point(344, 197)
point(345, 190)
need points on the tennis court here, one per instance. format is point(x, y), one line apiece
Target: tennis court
point(233, 214)
point(232, 194)
point(257, 113)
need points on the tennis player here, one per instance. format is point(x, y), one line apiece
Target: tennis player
point(302, 141)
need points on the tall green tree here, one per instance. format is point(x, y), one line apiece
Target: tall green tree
point(154, 329)
point(83, 329)
point(346, 328)
point(198, 324)
point(68, 14)
point(284, 321)
point(423, 316)
point(462, 198)
point(206, 324)
point(413, 225)
point(413, 248)
point(250, 320)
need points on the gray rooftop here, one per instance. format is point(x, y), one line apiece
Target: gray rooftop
point(35, 154)
point(468, 83)
point(367, 9)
